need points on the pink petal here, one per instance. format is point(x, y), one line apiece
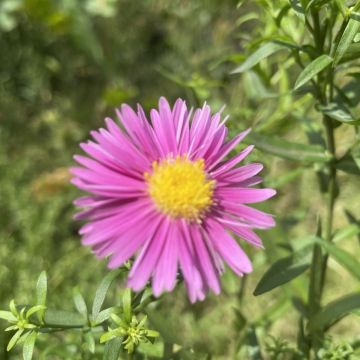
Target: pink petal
point(239, 174)
point(146, 261)
point(254, 217)
point(228, 248)
point(166, 268)
point(229, 164)
point(244, 195)
point(242, 231)
point(225, 149)
point(126, 245)
point(206, 263)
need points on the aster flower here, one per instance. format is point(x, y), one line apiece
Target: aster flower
point(165, 192)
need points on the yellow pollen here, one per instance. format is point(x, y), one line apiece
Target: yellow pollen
point(180, 188)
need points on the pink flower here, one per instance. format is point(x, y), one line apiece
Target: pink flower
point(165, 192)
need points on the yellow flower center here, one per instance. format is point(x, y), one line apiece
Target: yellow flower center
point(181, 188)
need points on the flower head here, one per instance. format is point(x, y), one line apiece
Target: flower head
point(165, 191)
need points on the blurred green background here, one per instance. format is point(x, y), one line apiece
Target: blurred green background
point(66, 64)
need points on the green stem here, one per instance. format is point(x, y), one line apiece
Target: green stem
point(242, 291)
point(319, 261)
point(331, 192)
point(315, 290)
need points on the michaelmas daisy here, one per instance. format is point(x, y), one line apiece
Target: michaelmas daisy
point(163, 191)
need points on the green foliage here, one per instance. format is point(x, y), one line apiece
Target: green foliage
point(288, 69)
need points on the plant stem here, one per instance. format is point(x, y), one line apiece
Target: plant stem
point(331, 193)
point(319, 261)
point(315, 290)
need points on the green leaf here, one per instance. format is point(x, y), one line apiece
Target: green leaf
point(352, 53)
point(8, 316)
point(334, 311)
point(348, 164)
point(41, 293)
point(13, 309)
point(103, 315)
point(90, 341)
point(338, 112)
point(29, 344)
point(346, 260)
point(342, 7)
point(41, 289)
point(64, 319)
point(35, 309)
point(352, 28)
point(346, 232)
point(352, 220)
point(102, 291)
point(288, 149)
point(126, 303)
point(313, 69)
point(112, 349)
point(152, 333)
point(80, 303)
point(12, 327)
point(261, 53)
point(14, 339)
point(281, 272)
point(107, 336)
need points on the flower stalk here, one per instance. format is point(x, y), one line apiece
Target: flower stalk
point(325, 87)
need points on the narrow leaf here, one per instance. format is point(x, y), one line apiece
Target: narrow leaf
point(152, 333)
point(64, 319)
point(29, 344)
point(112, 349)
point(313, 69)
point(352, 53)
point(107, 337)
point(346, 260)
point(13, 309)
point(348, 164)
point(287, 149)
point(80, 303)
point(41, 289)
point(126, 302)
point(103, 315)
point(261, 53)
point(334, 311)
point(352, 28)
point(41, 293)
point(90, 342)
point(346, 232)
point(34, 310)
point(352, 220)
point(281, 272)
point(7, 315)
point(102, 291)
point(338, 112)
point(14, 339)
